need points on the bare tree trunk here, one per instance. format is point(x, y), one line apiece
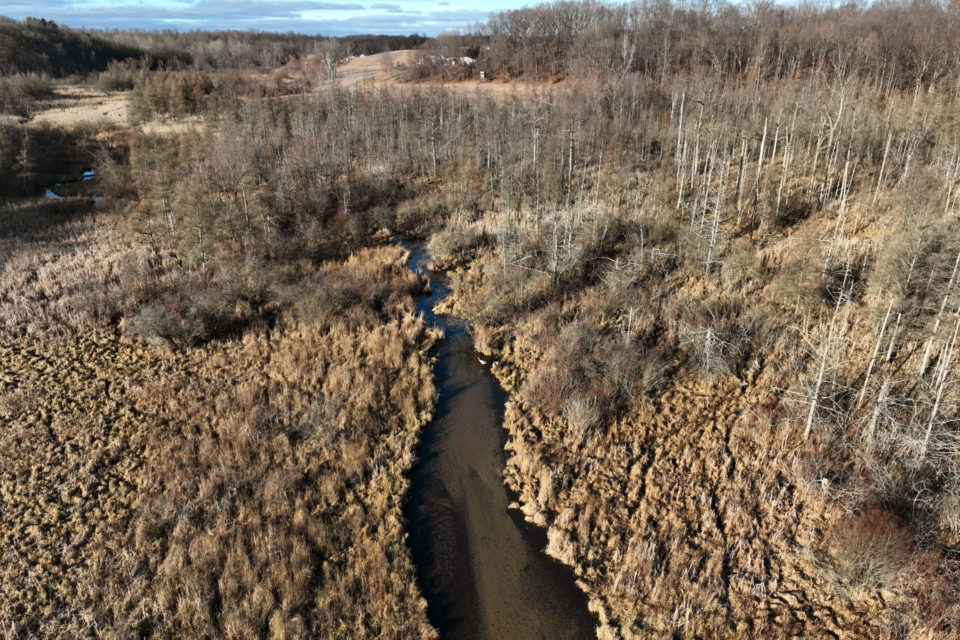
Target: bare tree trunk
point(883, 165)
point(878, 407)
point(784, 169)
point(941, 383)
point(596, 197)
point(893, 337)
point(936, 322)
point(873, 359)
point(756, 184)
point(743, 160)
point(716, 214)
point(676, 152)
point(950, 183)
point(825, 352)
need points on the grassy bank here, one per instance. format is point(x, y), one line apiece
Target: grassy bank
point(175, 485)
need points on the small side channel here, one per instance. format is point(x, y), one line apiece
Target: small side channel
point(480, 565)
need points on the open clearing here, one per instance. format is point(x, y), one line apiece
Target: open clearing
point(75, 105)
point(377, 68)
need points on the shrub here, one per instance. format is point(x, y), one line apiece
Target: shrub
point(156, 324)
point(454, 240)
point(165, 93)
point(872, 549)
point(713, 337)
point(121, 75)
point(19, 93)
point(188, 318)
point(482, 339)
point(582, 413)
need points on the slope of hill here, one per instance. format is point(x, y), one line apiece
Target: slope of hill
point(378, 67)
point(41, 46)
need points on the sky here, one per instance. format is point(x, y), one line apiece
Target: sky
point(333, 17)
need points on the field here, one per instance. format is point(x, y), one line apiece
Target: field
point(165, 491)
point(75, 105)
point(712, 254)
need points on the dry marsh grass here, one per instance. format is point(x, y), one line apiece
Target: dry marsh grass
point(736, 417)
point(721, 290)
point(63, 266)
point(678, 492)
point(246, 488)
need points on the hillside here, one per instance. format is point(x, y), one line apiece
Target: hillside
point(41, 46)
point(377, 67)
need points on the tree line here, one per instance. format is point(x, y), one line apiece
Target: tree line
point(41, 46)
point(895, 44)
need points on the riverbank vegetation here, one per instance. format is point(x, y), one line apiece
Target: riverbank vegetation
point(205, 439)
point(249, 487)
point(723, 298)
point(714, 259)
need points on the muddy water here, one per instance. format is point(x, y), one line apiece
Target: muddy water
point(480, 566)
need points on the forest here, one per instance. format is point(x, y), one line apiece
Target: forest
point(37, 45)
point(712, 250)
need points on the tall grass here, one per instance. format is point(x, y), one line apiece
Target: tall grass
point(20, 92)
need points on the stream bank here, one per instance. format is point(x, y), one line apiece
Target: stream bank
point(480, 565)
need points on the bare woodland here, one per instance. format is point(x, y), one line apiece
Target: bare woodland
point(712, 249)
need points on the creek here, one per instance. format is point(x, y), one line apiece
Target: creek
point(88, 174)
point(481, 567)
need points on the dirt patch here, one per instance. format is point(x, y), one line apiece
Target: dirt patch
point(382, 69)
point(78, 105)
point(378, 68)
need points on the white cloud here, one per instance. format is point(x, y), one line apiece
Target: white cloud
point(392, 8)
point(341, 17)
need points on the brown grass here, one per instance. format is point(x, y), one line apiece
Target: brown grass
point(690, 505)
point(246, 488)
point(75, 105)
point(697, 417)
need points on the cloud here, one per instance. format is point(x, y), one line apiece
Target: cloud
point(336, 6)
point(195, 9)
point(444, 3)
point(302, 16)
point(407, 23)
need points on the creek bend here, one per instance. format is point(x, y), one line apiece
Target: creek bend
point(480, 565)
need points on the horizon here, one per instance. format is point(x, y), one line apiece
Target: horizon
point(339, 18)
